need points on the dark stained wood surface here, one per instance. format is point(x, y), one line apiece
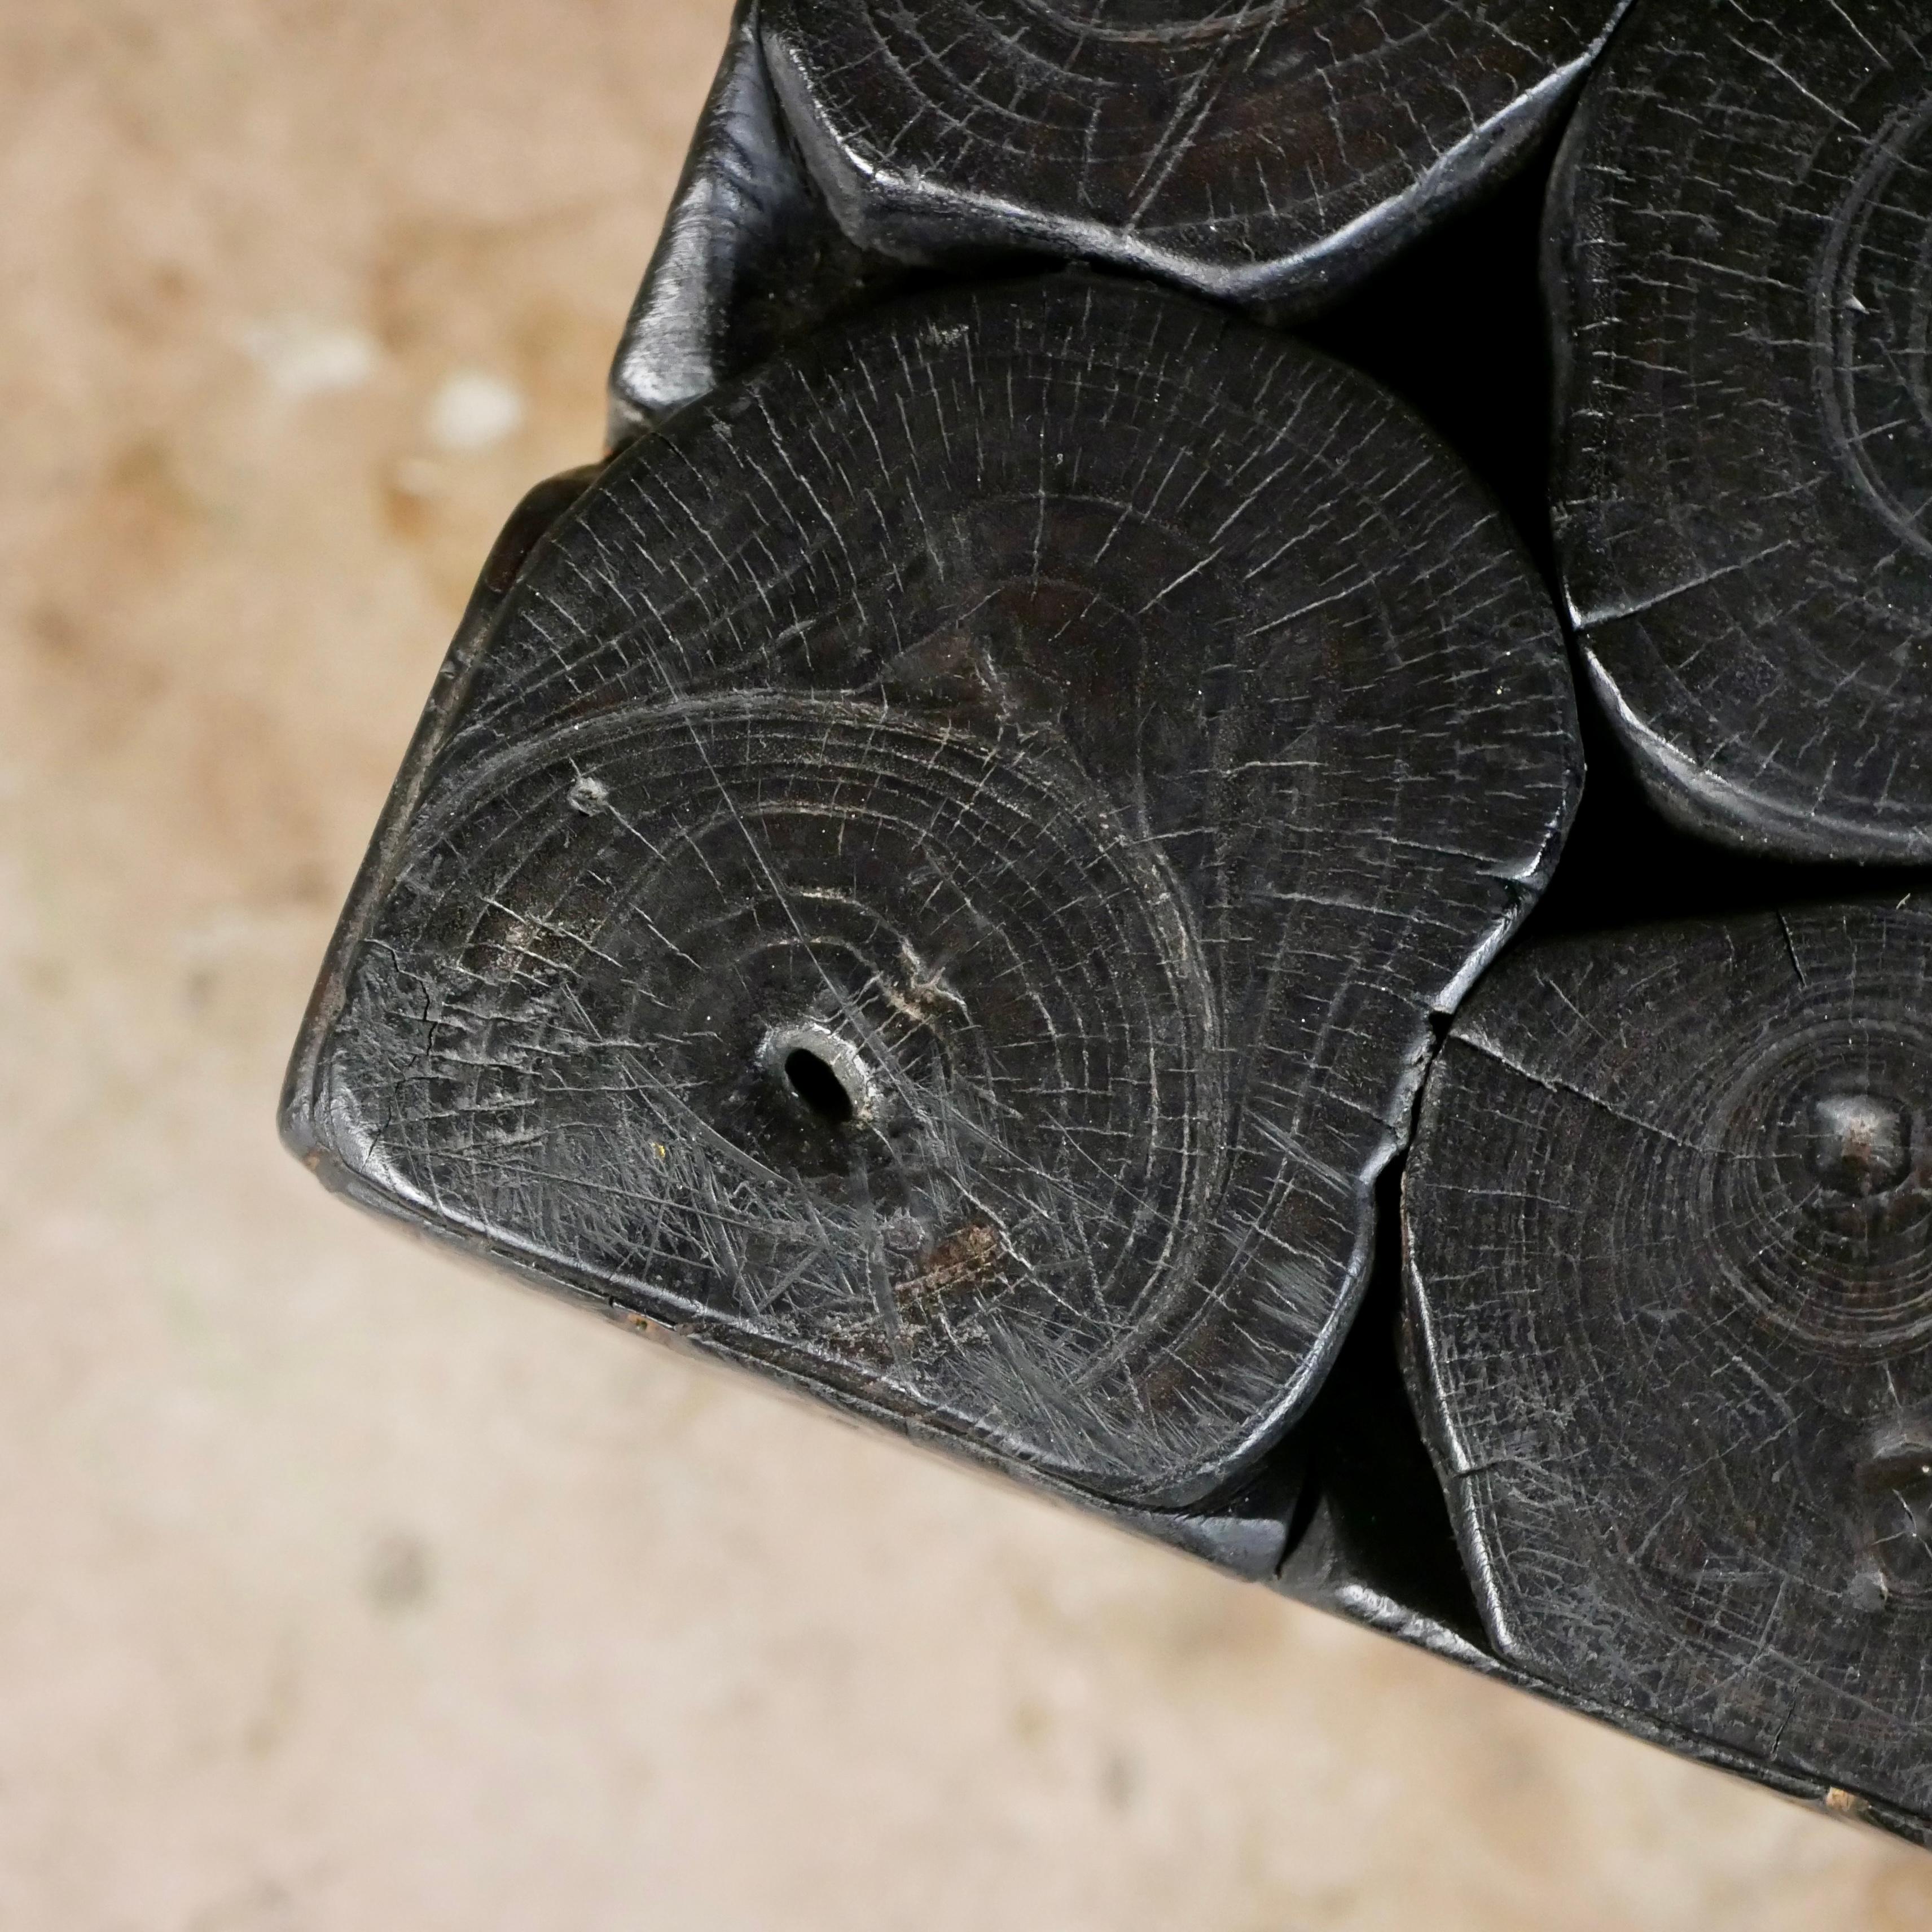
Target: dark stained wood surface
point(1272, 152)
point(1668, 1219)
point(1743, 492)
point(937, 877)
point(749, 257)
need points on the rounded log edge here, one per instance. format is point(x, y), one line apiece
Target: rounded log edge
point(1742, 495)
point(937, 876)
point(1668, 1227)
point(1247, 155)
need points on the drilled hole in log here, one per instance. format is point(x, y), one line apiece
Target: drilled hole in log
point(817, 1086)
point(823, 1078)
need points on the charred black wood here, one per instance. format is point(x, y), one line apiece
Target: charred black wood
point(937, 879)
point(749, 257)
point(1669, 1225)
point(1743, 502)
point(752, 255)
point(1271, 154)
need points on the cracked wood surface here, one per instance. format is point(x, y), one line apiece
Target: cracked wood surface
point(349, 1588)
point(1269, 153)
point(1670, 1306)
point(1743, 499)
point(938, 877)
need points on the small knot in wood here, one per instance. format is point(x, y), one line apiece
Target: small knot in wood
point(1862, 1143)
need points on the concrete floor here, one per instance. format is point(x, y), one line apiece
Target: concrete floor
point(344, 1588)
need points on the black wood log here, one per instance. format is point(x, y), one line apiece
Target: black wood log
point(1738, 265)
point(937, 879)
point(1669, 1221)
point(749, 257)
point(1271, 153)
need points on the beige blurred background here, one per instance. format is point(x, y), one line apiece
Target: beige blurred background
point(343, 1587)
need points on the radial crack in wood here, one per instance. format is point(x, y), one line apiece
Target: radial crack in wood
point(1668, 1222)
point(1268, 153)
point(937, 879)
point(1739, 270)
